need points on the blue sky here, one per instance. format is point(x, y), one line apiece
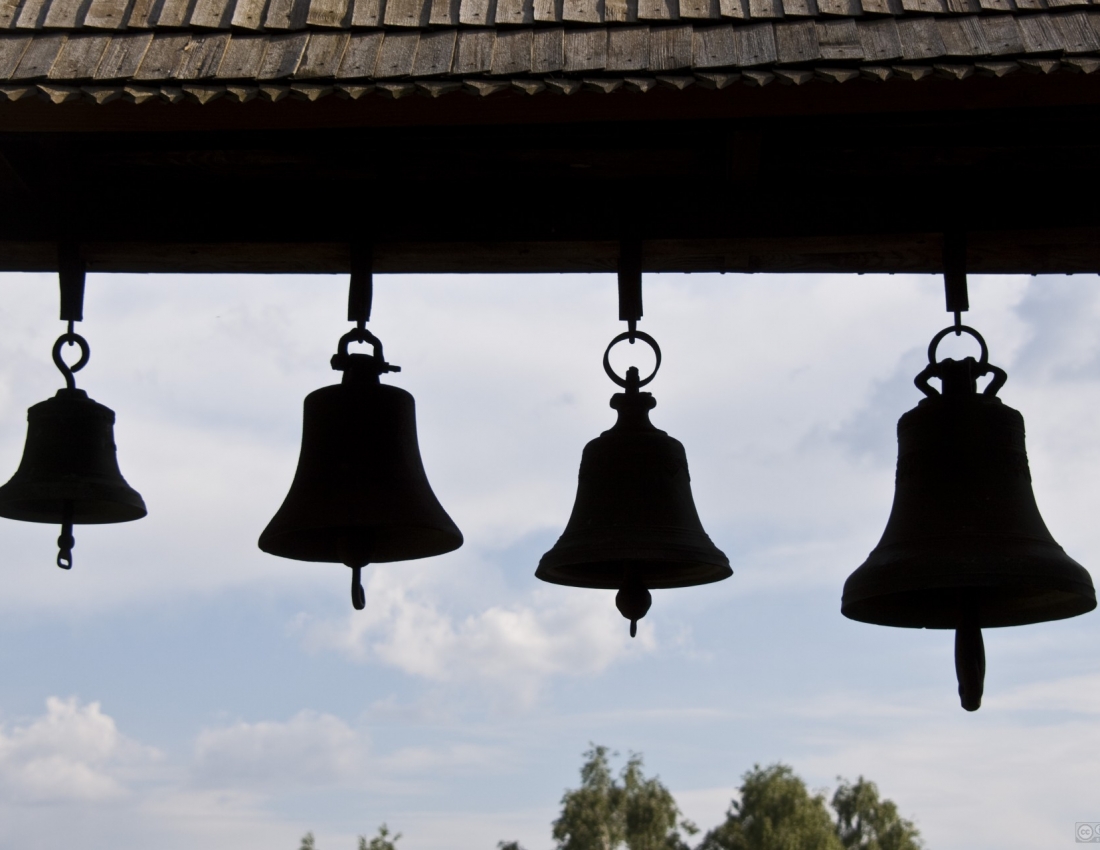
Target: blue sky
point(179, 686)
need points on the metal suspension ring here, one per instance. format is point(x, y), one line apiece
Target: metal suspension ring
point(71, 338)
point(631, 335)
point(957, 329)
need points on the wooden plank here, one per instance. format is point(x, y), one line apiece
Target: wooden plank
point(202, 56)
point(1002, 34)
point(880, 40)
point(699, 10)
point(796, 41)
point(12, 48)
point(123, 56)
point(839, 39)
point(548, 51)
point(477, 13)
point(285, 14)
point(882, 7)
point(997, 5)
point(765, 9)
point(212, 14)
point(173, 13)
point(516, 12)
point(929, 7)
point(658, 10)
point(247, 14)
point(435, 52)
point(627, 48)
point(920, 39)
point(620, 11)
point(63, 14)
point(395, 57)
point(366, 13)
point(962, 36)
point(39, 57)
point(474, 52)
point(322, 57)
point(585, 50)
point(736, 9)
point(755, 44)
point(360, 56)
point(670, 48)
point(243, 57)
point(282, 56)
point(328, 13)
point(31, 15)
point(800, 8)
point(8, 10)
point(162, 57)
point(582, 11)
point(713, 47)
point(512, 52)
point(1066, 4)
point(964, 7)
point(840, 8)
point(142, 14)
point(407, 13)
point(548, 11)
point(79, 57)
point(1077, 35)
point(1039, 34)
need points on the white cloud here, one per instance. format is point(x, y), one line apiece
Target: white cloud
point(72, 753)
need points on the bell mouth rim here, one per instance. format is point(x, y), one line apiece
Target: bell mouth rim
point(612, 575)
point(896, 609)
point(295, 544)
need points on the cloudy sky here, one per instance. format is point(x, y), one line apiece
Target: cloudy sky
point(181, 688)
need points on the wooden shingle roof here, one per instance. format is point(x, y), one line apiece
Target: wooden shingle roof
point(201, 50)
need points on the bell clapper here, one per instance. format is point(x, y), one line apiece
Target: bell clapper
point(633, 601)
point(970, 655)
point(358, 598)
point(66, 541)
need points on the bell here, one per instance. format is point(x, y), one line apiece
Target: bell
point(69, 471)
point(360, 494)
point(965, 547)
point(634, 526)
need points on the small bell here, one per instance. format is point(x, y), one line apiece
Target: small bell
point(965, 547)
point(69, 471)
point(634, 526)
point(360, 494)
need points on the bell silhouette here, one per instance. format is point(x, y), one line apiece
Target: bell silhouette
point(360, 494)
point(69, 471)
point(634, 526)
point(965, 547)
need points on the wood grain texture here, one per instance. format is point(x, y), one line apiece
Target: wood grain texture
point(839, 39)
point(547, 51)
point(395, 57)
point(796, 41)
point(1039, 34)
point(963, 7)
point(247, 14)
point(963, 36)
point(627, 48)
point(476, 13)
point(800, 8)
point(928, 7)
point(585, 50)
point(123, 56)
point(328, 13)
point(765, 9)
point(882, 7)
point(285, 14)
point(658, 10)
point(31, 15)
point(511, 52)
point(713, 47)
point(840, 8)
point(699, 10)
point(920, 39)
point(582, 11)
point(474, 52)
point(322, 57)
point(12, 48)
point(365, 13)
point(880, 40)
point(202, 56)
point(163, 56)
point(1076, 34)
point(407, 13)
point(64, 14)
point(755, 44)
point(670, 48)
point(997, 5)
point(9, 9)
point(173, 13)
point(515, 12)
point(444, 13)
point(434, 53)
point(1002, 34)
point(79, 57)
point(360, 56)
point(620, 11)
point(548, 11)
point(212, 14)
point(282, 56)
point(242, 58)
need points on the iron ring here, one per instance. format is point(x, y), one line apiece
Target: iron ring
point(65, 368)
point(360, 335)
point(644, 337)
point(957, 329)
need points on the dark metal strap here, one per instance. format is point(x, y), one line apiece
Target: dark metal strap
point(361, 287)
point(71, 269)
point(630, 284)
point(954, 275)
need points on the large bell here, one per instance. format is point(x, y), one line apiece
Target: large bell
point(360, 494)
point(69, 471)
point(965, 547)
point(634, 525)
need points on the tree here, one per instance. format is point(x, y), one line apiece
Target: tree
point(605, 814)
point(382, 841)
point(307, 842)
point(864, 822)
point(775, 812)
point(508, 845)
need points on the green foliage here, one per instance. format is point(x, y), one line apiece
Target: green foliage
point(508, 845)
point(606, 814)
point(382, 841)
point(307, 842)
point(775, 812)
point(864, 822)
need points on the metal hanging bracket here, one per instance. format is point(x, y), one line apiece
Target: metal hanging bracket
point(954, 275)
point(71, 269)
point(630, 284)
point(361, 287)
